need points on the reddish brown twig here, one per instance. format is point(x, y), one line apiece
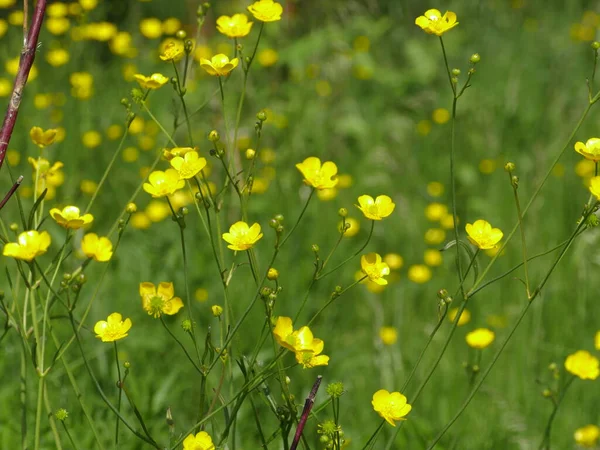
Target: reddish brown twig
point(308, 404)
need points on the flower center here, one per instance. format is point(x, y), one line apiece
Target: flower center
point(156, 306)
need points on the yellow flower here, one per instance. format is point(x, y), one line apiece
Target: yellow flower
point(159, 301)
point(70, 217)
point(267, 57)
point(374, 268)
point(29, 245)
point(482, 235)
point(57, 57)
point(392, 406)
point(113, 328)
point(91, 139)
point(432, 22)
point(309, 349)
point(597, 340)
point(480, 338)
point(51, 174)
point(99, 248)
point(465, 316)
point(189, 165)
point(436, 211)
point(376, 209)
point(170, 153)
point(394, 260)
point(583, 364)
point(388, 335)
point(317, 175)
point(154, 81)
point(440, 116)
point(219, 65)
point(419, 273)
point(216, 310)
point(590, 150)
point(58, 25)
point(432, 257)
point(151, 28)
point(235, 26)
point(266, 10)
point(163, 183)
point(173, 50)
point(284, 333)
point(171, 25)
point(201, 441)
point(587, 436)
point(42, 138)
point(595, 187)
point(242, 237)
point(435, 188)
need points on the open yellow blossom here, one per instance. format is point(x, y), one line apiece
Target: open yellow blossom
point(388, 335)
point(219, 65)
point(235, 26)
point(170, 153)
point(480, 338)
point(392, 406)
point(595, 187)
point(433, 22)
point(266, 10)
point(311, 356)
point(374, 268)
point(29, 245)
point(113, 328)
point(161, 184)
point(587, 436)
point(284, 332)
point(482, 235)
point(583, 365)
point(99, 248)
point(307, 348)
point(154, 81)
point(161, 300)
point(590, 150)
point(200, 441)
point(50, 173)
point(242, 237)
point(419, 273)
point(70, 217)
point(42, 138)
point(172, 51)
point(465, 316)
point(189, 165)
point(316, 175)
point(376, 209)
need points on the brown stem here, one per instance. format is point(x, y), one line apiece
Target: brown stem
point(308, 404)
point(11, 191)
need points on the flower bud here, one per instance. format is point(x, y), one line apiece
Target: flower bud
point(265, 291)
point(343, 212)
point(475, 368)
point(595, 45)
point(442, 294)
point(456, 72)
point(14, 226)
point(61, 414)
point(475, 58)
point(262, 116)
point(127, 364)
point(216, 310)
point(184, 211)
point(181, 34)
point(67, 276)
point(125, 102)
point(315, 248)
point(273, 223)
point(81, 279)
point(335, 390)
point(279, 229)
point(272, 274)
point(454, 80)
point(279, 217)
point(213, 136)
point(514, 181)
point(547, 393)
point(188, 46)
point(131, 208)
point(186, 325)
point(250, 153)
point(509, 166)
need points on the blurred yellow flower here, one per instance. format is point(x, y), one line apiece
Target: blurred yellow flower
point(161, 300)
point(392, 406)
point(189, 165)
point(140, 221)
point(585, 168)
point(42, 169)
point(352, 227)
point(267, 57)
point(170, 153)
point(482, 235)
point(597, 340)
point(447, 222)
point(172, 51)
point(113, 328)
point(122, 44)
point(57, 25)
point(164, 183)
point(70, 217)
point(465, 316)
point(91, 139)
point(590, 150)
point(435, 188)
point(57, 57)
point(88, 186)
point(595, 187)
point(583, 365)
point(440, 116)
point(266, 10)
point(171, 26)
point(151, 28)
point(13, 157)
point(419, 273)
point(154, 81)
point(587, 436)
point(16, 18)
point(317, 175)
point(388, 335)
point(88, 5)
point(394, 260)
point(7, 3)
point(235, 26)
point(327, 194)
point(58, 9)
point(29, 245)
point(242, 237)
point(374, 268)
point(99, 248)
point(5, 87)
point(376, 209)
point(432, 22)
point(432, 257)
point(480, 338)
point(435, 211)
point(100, 31)
point(81, 85)
point(42, 138)
point(219, 65)
point(200, 441)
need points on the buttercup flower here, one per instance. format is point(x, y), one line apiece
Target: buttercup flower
point(201, 441)
point(170, 153)
point(432, 22)
point(242, 237)
point(587, 436)
point(99, 248)
point(154, 81)
point(113, 328)
point(29, 245)
point(235, 26)
point(284, 332)
point(590, 150)
point(595, 187)
point(42, 138)
point(388, 335)
point(583, 365)
point(50, 173)
point(217, 310)
point(392, 406)
point(311, 356)
point(307, 348)
point(373, 267)
point(159, 301)
point(165, 183)
point(219, 65)
point(317, 175)
point(480, 338)
point(70, 217)
point(482, 235)
point(376, 209)
point(266, 10)
point(189, 165)
point(172, 51)
point(465, 316)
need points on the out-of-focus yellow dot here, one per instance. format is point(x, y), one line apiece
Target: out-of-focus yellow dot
point(243, 143)
point(26, 191)
point(58, 9)
point(129, 70)
point(447, 222)
point(223, 47)
point(151, 128)
point(362, 72)
point(13, 157)
point(323, 88)
point(61, 133)
point(15, 18)
point(88, 5)
point(42, 101)
point(388, 335)
point(585, 168)
point(267, 57)
point(140, 220)
point(267, 155)
point(327, 194)
point(5, 87)
point(435, 236)
point(424, 127)
point(180, 199)
point(57, 115)
point(487, 166)
point(151, 28)
point(75, 9)
point(435, 211)
point(130, 154)
point(344, 181)
point(3, 27)
point(435, 188)
point(171, 25)
point(58, 25)
point(50, 191)
point(146, 143)
point(157, 210)
point(590, 18)
point(419, 273)
point(440, 116)
point(137, 125)
point(57, 57)
point(352, 227)
point(7, 3)
point(496, 321)
point(465, 316)
point(558, 171)
point(202, 52)
point(201, 295)
point(361, 44)
point(432, 257)
point(579, 32)
point(122, 45)
point(394, 261)
point(260, 185)
point(88, 187)
point(91, 139)
point(491, 252)
point(12, 66)
point(114, 132)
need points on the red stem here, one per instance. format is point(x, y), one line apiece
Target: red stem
point(308, 404)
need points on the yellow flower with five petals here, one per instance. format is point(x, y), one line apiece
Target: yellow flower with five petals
point(433, 22)
point(219, 65)
point(482, 235)
point(42, 138)
point(161, 300)
point(320, 176)
point(189, 165)
point(392, 406)
point(161, 184)
point(29, 245)
point(99, 248)
point(173, 50)
point(590, 150)
point(376, 209)
point(235, 26)
point(70, 217)
point(113, 328)
point(200, 441)
point(266, 10)
point(154, 81)
point(242, 237)
point(373, 267)
point(583, 364)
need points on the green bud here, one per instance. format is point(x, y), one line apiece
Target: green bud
point(81, 279)
point(343, 212)
point(335, 390)
point(131, 208)
point(273, 223)
point(14, 226)
point(595, 45)
point(61, 414)
point(475, 58)
point(315, 248)
point(127, 364)
point(213, 136)
point(188, 45)
point(509, 167)
point(181, 34)
point(262, 116)
point(186, 325)
point(456, 72)
point(279, 217)
point(454, 80)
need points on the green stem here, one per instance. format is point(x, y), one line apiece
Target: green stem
point(299, 218)
point(520, 222)
point(545, 444)
point(120, 386)
point(373, 437)
point(182, 346)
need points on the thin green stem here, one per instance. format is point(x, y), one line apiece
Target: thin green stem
point(545, 444)
point(299, 218)
point(120, 386)
point(514, 184)
point(182, 347)
point(371, 442)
